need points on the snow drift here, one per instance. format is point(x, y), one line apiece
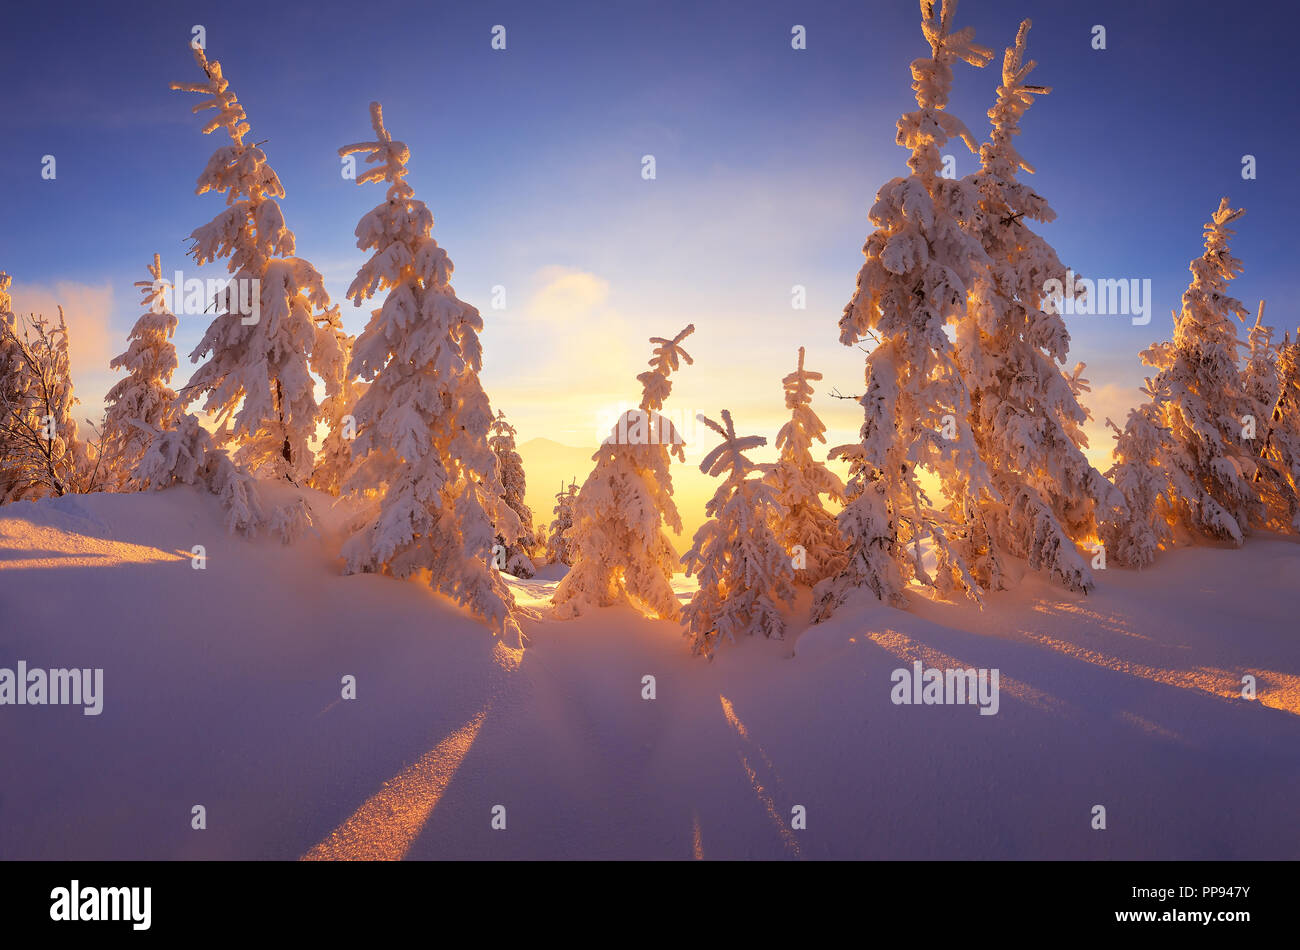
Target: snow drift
point(222, 689)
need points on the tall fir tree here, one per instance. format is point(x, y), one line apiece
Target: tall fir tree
point(258, 347)
point(922, 261)
point(1203, 483)
point(805, 528)
point(1011, 344)
point(621, 554)
point(744, 571)
point(142, 403)
point(422, 425)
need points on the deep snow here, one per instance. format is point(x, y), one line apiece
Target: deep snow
point(222, 688)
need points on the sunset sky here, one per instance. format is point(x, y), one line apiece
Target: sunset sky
point(768, 160)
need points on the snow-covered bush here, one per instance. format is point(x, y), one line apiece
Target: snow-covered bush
point(189, 455)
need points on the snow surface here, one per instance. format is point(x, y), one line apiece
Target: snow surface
point(222, 688)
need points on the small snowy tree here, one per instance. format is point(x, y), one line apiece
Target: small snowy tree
point(42, 452)
point(510, 465)
point(541, 538)
point(1263, 429)
point(1280, 468)
point(142, 403)
point(921, 263)
point(6, 301)
point(14, 481)
point(1139, 476)
point(558, 546)
point(56, 344)
point(260, 343)
point(805, 528)
point(743, 569)
point(1205, 472)
point(1011, 343)
point(620, 552)
point(1259, 378)
point(422, 426)
point(331, 354)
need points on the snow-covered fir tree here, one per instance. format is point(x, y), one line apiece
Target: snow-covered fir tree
point(922, 261)
point(744, 571)
point(6, 300)
point(1139, 475)
point(620, 553)
point(1204, 479)
point(422, 425)
point(805, 528)
point(558, 547)
point(143, 402)
point(1280, 453)
point(541, 541)
point(1261, 390)
point(1011, 344)
point(57, 368)
point(331, 354)
point(510, 466)
point(1259, 377)
point(258, 348)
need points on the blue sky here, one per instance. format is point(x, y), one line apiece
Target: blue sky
point(530, 158)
